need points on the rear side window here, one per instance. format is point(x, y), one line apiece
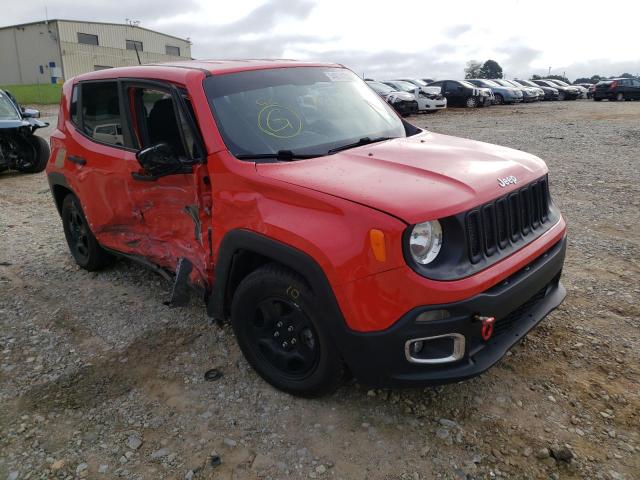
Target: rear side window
point(101, 116)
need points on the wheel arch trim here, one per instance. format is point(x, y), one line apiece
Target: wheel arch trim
point(58, 181)
point(239, 240)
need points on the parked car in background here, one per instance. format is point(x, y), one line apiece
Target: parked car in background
point(427, 102)
point(501, 94)
point(583, 91)
point(402, 102)
point(464, 94)
point(528, 93)
point(535, 88)
point(592, 90)
point(20, 148)
point(617, 89)
point(427, 80)
point(550, 93)
point(588, 86)
point(564, 93)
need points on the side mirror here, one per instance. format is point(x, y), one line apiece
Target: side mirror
point(160, 160)
point(30, 113)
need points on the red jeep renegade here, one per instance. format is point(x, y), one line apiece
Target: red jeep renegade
point(336, 237)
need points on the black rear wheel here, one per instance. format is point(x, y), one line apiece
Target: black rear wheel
point(35, 156)
point(498, 99)
point(83, 245)
point(472, 102)
point(274, 316)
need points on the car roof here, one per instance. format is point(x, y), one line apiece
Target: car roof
point(182, 70)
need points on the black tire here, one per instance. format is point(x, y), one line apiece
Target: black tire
point(274, 315)
point(498, 99)
point(597, 99)
point(472, 102)
point(83, 245)
point(561, 96)
point(39, 156)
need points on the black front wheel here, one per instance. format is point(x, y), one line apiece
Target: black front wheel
point(35, 156)
point(83, 245)
point(275, 318)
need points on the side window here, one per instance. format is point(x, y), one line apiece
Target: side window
point(101, 118)
point(73, 108)
point(156, 119)
point(636, 83)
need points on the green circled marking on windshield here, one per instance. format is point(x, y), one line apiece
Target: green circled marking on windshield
point(279, 121)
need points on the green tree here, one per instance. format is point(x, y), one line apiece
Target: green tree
point(536, 77)
point(583, 80)
point(491, 69)
point(626, 75)
point(472, 70)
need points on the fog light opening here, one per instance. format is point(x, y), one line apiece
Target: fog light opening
point(438, 349)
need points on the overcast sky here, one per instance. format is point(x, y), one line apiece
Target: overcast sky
point(388, 39)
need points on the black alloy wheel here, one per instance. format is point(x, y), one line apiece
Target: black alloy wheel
point(83, 245)
point(284, 334)
point(285, 337)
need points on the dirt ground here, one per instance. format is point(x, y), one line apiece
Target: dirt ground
point(99, 379)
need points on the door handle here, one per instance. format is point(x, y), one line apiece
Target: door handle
point(76, 160)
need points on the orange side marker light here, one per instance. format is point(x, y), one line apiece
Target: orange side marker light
point(378, 246)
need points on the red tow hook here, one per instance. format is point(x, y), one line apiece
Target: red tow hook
point(487, 326)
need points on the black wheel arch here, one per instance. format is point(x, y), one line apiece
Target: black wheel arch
point(59, 189)
point(242, 251)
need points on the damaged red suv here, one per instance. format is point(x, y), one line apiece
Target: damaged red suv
point(334, 236)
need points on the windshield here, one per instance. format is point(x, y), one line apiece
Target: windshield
point(467, 84)
point(489, 83)
point(417, 81)
point(404, 86)
point(560, 82)
point(528, 83)
point(7, 109)
point(381, 87)
point(303, 110)
point(504, 83)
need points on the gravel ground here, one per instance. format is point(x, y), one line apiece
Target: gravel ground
point(98, 379)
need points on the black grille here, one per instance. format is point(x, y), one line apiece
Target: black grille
point(507, 322)
point(509, 219)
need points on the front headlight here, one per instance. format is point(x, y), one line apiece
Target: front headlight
point(425, 242)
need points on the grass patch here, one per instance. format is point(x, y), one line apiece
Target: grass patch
point(44, 93)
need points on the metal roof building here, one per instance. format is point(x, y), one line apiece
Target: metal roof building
point(55, 50)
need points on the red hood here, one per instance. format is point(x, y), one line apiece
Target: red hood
point(424, 177)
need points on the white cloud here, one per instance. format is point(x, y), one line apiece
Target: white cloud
point(385, 39)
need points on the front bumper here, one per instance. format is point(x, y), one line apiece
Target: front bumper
point(518, 303)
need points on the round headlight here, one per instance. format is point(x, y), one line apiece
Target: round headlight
point(425, 241)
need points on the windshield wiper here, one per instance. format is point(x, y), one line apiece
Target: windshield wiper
point(283, 155)
point(359, 143)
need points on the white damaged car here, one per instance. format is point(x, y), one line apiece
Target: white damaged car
point(430, 99)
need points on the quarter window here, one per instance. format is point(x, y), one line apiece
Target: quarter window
point(134, 45)
point(175, 51)
point(101, 119)
point(87, 39)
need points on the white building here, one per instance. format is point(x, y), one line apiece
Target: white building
point(55, 50)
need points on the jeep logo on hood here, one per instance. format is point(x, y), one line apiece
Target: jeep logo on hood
point(503, 182)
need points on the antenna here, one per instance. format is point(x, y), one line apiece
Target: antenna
point(133, 24)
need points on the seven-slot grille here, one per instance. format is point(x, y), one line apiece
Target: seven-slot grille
point(507, 220)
